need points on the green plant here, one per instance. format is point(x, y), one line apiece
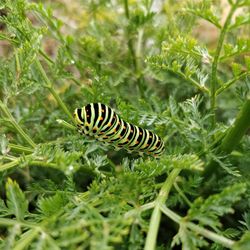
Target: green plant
point(63, 191)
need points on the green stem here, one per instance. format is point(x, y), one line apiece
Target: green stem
point(139, 209)
point(182, 194)
point(197, 229)
point(191, 80)
point(43, 73)
point(17, 127)
point(53, 92)
point(47, 58)
point(130, 44)
point(26, 240)
point(213, 83)
point(61, 103)
point(156, 215)
point(229, 83)
point(9, 165)
point(211, 235)
point(20, 149)
point(17, 161)
point(12, 222)
point(66, 124)
point(126, 8)
point(232, 136)
point(43, 164)
point(238, 129)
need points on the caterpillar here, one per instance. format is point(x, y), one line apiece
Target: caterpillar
point(101, 122)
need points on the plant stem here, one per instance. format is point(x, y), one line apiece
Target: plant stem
point(43, 164)
point(181, 193)
point(238, 129)
point(126, 8)
point(197, 229)
point(65, 124)
point(233, 136)
point(140, 209)
point(32, 162)
point(53, 92)
point(10, 164)
point(20, 149)
point(211, 235)
point(17, 127)
point(229, 83)
point(156, 215)
point(12, 222)
point(130, 43)
point(61, 103)
point(191, 80)
point(213, 83)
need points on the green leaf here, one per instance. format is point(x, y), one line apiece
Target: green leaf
point(53, 204)
point(16, 201)
point(243, 243)
point(204, 9)
point(247, 62)
point(189, 239)
point(207, 211)
point(237, 69)
point(241, 20)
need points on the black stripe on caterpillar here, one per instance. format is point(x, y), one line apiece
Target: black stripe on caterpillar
point(101, 122)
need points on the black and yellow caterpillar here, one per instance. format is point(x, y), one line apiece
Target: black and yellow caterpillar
point(101, 122)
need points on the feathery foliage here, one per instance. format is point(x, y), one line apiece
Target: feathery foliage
point(178, 68)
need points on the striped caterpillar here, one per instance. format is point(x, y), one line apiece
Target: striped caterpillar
point(101, 122)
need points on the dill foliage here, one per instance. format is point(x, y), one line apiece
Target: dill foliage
point(178, 68)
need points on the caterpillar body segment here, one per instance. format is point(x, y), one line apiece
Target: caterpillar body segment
point(101, 122)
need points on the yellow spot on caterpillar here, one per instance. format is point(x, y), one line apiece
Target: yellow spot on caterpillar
point(102, 110)
point(136, 142)
point(101, 118)
point(140, 133)
point(109, 124)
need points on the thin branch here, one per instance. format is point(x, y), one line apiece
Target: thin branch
point(213, 83)
point(66, 124)
point(139, 209)
point(232, 137)
point(20, 149)
point(197, 229)
point(17, 127)
point(191, 80)
point(231, 82)
point(53, 92)
point(181, 193)
point(156, 215)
